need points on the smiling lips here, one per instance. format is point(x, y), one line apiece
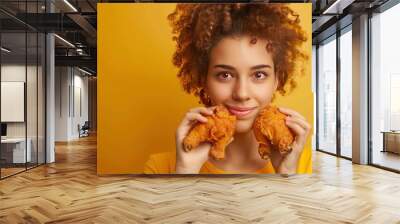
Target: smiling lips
point(240, 111)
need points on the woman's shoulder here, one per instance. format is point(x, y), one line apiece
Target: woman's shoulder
point(160, 163)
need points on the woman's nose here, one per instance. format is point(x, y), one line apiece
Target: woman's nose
point(241, 91)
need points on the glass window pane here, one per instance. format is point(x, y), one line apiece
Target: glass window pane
point(327, 96)
point(31, 101)
point(41, 98)
point(22, 88)
point(385, 89)
point(346, 94)
point(314, 85)
point(14, 150)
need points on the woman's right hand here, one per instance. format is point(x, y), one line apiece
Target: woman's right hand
point(191, 162)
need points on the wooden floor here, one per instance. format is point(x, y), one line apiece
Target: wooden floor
point(5, 172)
point(69, 191)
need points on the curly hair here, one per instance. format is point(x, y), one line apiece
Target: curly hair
point(197, 28)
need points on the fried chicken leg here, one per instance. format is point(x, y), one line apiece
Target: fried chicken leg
point(272, 133)
point(218, 131)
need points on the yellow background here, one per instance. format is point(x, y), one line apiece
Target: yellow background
point(140, 100)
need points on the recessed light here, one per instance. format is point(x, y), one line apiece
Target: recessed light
point(84, 71)
point(64, 40)
point(5, 50)
point(71, 6)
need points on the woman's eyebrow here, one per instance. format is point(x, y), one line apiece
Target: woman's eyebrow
point(261, 66)
point(224, 66)
point(233, 68)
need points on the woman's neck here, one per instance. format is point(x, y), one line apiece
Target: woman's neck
point(241, 153)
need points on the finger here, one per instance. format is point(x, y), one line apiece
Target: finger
point(212, 108)
point(298, 130)
point(188, 122)
point(304, 124)
point(291, 112)
point(192, 116)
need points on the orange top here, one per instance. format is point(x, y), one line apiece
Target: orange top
point(164, 163)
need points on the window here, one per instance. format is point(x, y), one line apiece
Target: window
point(346, 93)
point(385, 88)
point(22, 65)
point(327, 96)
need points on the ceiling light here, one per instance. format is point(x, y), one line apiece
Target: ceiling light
point(65, 41)
point(5, 50)
point(84, 71)
point(338, 6)
point(71, 6)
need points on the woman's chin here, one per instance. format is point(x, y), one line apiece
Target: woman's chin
point(243, 126)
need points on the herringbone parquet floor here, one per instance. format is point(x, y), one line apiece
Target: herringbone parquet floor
point(69, 191)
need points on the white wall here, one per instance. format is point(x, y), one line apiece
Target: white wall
point(62, 78)
point(12, 101)
point(79, 117)
point(70, 83)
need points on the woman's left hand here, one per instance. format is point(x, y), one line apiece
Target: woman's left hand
point(301, 128)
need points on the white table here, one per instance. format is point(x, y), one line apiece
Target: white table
point(18, 149)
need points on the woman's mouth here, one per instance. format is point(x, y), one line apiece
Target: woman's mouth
point(240, 111)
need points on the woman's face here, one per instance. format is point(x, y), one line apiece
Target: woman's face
point(241, 76)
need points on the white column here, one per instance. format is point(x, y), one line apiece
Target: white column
point(50, 92)
point(360, 90)
point(50, 100)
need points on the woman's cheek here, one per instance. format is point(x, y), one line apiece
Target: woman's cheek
point(264, 94)
point(220, 93)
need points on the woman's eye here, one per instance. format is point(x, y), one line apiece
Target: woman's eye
point(224, 76)
point(260, 75)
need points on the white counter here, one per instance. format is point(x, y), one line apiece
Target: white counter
point(18, 148)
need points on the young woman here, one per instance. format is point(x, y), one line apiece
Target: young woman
point(237, 55)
